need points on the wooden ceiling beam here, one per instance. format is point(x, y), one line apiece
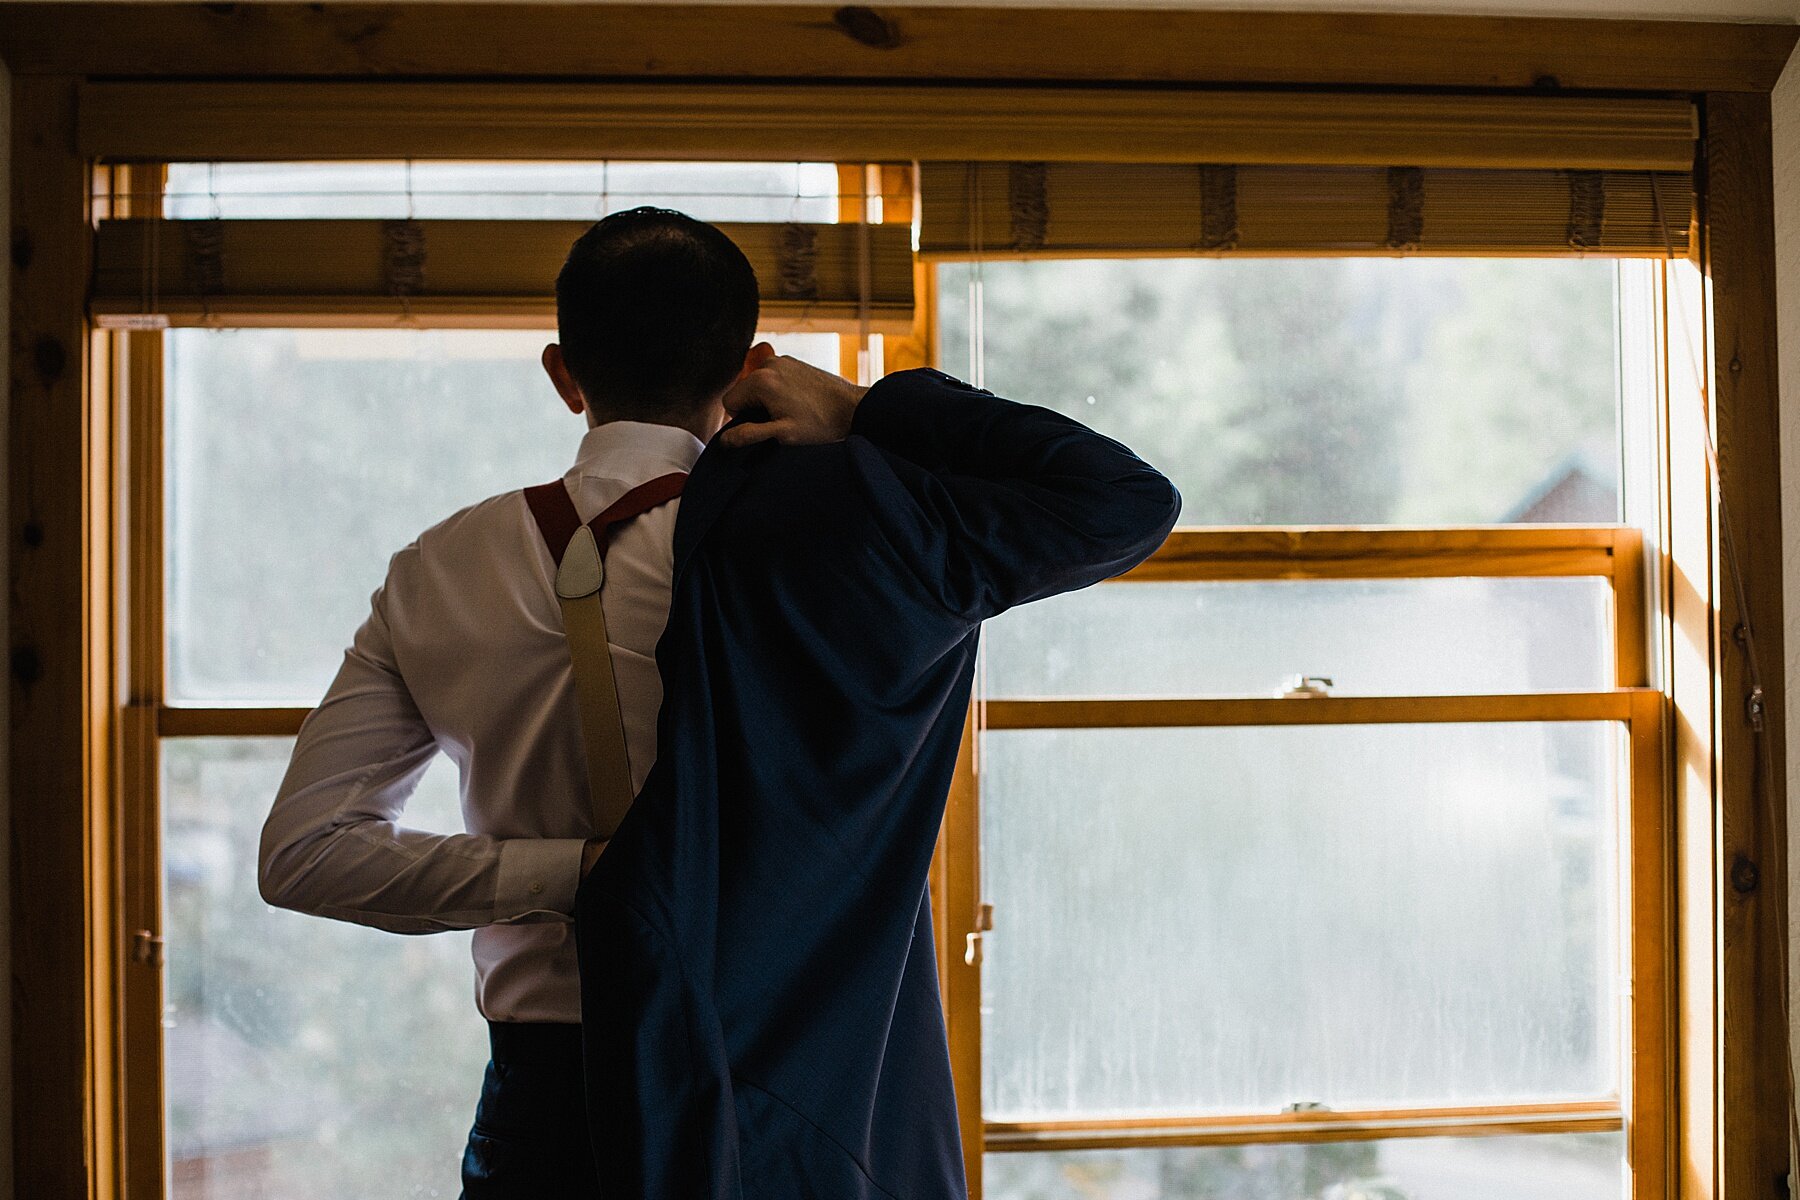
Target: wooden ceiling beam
point(822, 42)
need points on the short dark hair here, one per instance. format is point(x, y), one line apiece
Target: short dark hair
point(655, 311)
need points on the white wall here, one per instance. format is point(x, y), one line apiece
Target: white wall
point(1787, 249)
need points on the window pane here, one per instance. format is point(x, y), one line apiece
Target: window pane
point(1578, 1166)
point(299, 460)
point(1240, 919)
point(1321, 391)
point(568, 191)
point(305, 1057)
point(1370, 637)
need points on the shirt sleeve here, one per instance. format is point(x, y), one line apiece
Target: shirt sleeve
point(332, 845)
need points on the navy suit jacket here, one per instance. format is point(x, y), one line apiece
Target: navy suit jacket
point(759, 988)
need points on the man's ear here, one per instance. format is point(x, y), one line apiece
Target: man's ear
point(756, 356)
point(565, 384)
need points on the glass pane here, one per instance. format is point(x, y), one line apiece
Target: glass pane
point(1568, 1166)
point(568, 191)
point(1240, 919)
point(299, 460)
point(293, 1043)
point(1370, 637)
point(1321, 391)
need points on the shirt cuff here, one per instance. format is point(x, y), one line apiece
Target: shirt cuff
point(538, 879)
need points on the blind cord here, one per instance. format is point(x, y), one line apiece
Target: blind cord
point(865, 365)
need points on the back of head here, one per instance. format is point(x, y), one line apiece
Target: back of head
point(655, 312)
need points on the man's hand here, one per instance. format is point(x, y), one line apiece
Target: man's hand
point(802, 405)
point(590, 854)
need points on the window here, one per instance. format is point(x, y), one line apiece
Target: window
point(1337, 391)
point(1317, 856)
point(284, 500)
point(293, 1048)
point(1567, 1166)
point(712, 191)
point(294, 1044)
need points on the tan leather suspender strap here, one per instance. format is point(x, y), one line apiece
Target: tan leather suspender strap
point(580, 554)
point(578, 580)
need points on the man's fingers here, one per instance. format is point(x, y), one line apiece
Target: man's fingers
point(742, 395)
point(752, 391)
point(752, 432)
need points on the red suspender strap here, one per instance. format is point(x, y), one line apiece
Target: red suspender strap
point(640, 499)
point(557, 519)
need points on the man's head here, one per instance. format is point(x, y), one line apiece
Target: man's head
point(655, 313)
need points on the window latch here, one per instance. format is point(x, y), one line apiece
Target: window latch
point(1301, 687)
point(984, 921)
point(147, 948)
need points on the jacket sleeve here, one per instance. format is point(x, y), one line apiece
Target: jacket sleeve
point(996, 503)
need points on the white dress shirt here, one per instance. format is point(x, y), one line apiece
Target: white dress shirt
point(463, 652)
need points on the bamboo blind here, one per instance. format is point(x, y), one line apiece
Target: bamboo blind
point(476, 272)
point(1068, 209)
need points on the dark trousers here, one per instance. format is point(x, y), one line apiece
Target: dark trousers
point(530, 1139)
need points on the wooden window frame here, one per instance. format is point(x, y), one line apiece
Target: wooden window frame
point(1614, 553)
point(76, 731)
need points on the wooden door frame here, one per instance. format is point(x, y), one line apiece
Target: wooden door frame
point(64, 456)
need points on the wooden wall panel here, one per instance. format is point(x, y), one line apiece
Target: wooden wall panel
point(1740, 261)
point(60, 629)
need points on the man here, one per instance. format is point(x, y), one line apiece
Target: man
point(756, 986)
point(759, 993)
point(463, 652)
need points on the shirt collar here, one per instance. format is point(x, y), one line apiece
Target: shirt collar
point(635, 451)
